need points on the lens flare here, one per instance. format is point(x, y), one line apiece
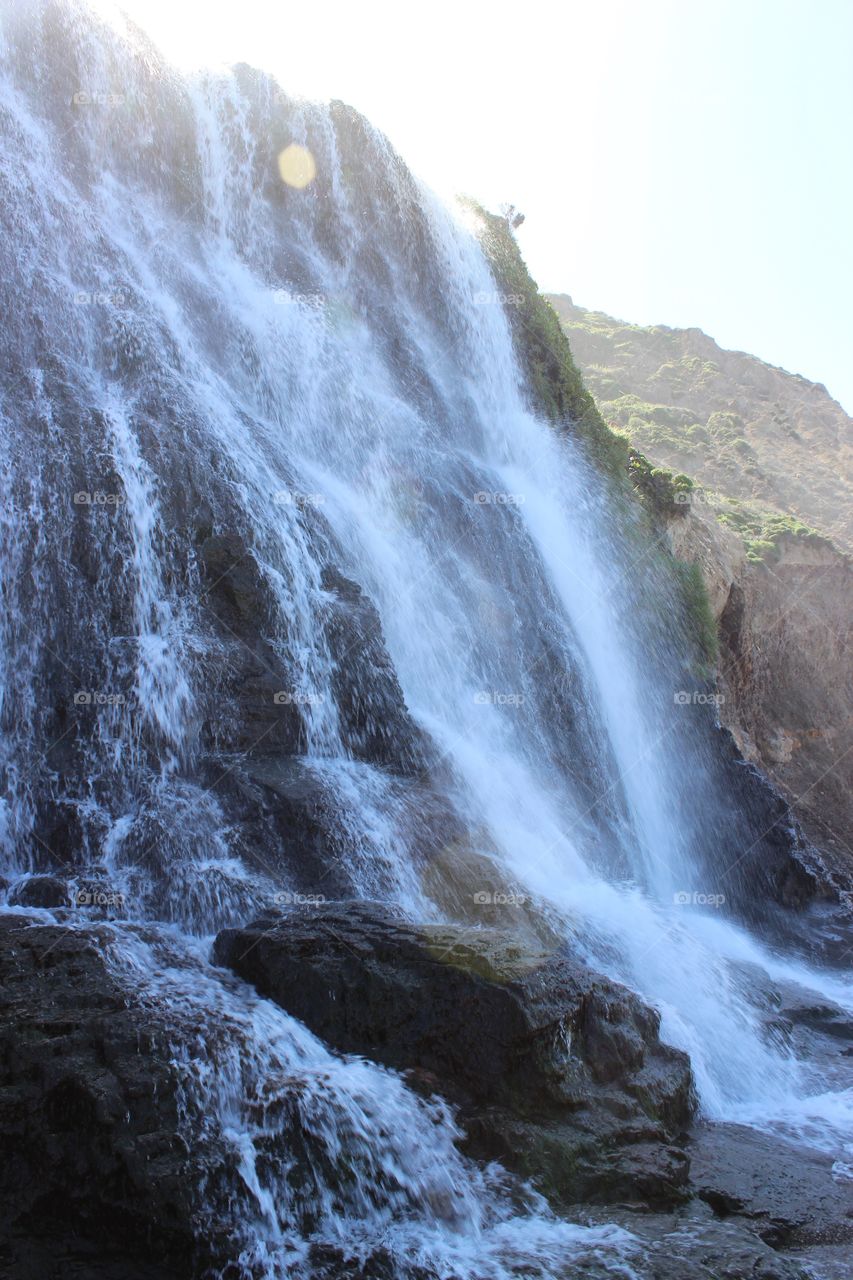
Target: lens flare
point(297, 166)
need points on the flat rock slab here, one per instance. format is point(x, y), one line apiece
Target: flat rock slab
point(787, 1193)
point(687, 1245)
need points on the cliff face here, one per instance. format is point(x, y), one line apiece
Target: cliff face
point(769, 451)
point(783, 672)
point(735, 424)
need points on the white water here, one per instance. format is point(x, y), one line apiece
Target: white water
point(323, 360)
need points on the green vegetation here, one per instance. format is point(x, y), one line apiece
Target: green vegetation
point(762, 531)
point(663, 492)
point(728, 420)
point(698, 609)
point(544, 350)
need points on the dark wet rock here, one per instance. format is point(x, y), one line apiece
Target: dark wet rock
point(234, 581)
point(558, 1072)
point(824, 932)
point(826, 1262)
point(813, 1026)
point(282, 802)
point(41, 891)
point(786, 1193)
point(690, 1244)
point(250, 686)
point(757, 855)
point(376, 722)
point(819, 1018)
point(61, 830)
point(95, 1178)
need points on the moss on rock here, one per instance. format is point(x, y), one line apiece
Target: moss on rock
point(543, 349)
point(556, 384)
point(698, 609)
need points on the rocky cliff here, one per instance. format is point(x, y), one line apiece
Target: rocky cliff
point(768, 451)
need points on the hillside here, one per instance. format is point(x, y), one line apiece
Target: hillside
point(737, 426)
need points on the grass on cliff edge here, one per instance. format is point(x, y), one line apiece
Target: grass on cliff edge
point(762, 531)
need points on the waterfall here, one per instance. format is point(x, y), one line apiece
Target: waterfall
point(248, 427)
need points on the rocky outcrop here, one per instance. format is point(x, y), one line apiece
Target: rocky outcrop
point(784, 680)
point(286, 814)
point(560, 1075)
point(376, 724)
point(109, 1170)
point(558, 1072)
point(690, 1244)
point(40, 891)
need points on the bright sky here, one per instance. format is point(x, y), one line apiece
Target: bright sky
point(680, 162)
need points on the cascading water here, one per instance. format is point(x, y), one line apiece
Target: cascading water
point(226, 400)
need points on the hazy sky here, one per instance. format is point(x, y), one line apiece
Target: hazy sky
point(681, 162)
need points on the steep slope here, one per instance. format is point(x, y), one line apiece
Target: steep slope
point(783, 674)
point(735, 424)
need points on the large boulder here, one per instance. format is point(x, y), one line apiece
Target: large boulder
point(40, 891)
point(558, 1072)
